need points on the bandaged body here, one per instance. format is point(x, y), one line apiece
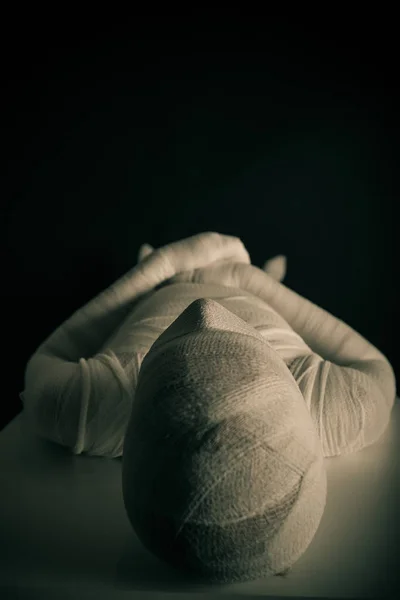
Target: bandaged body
point(80, 383)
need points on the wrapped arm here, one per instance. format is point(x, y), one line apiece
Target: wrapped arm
point(67, 377)
point(327, 335)
point(89, 327)
point(350, 406)
point(348, 384)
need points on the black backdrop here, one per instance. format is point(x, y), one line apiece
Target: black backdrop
point(282, 136)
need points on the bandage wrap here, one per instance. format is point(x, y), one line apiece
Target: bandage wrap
point(223, 472)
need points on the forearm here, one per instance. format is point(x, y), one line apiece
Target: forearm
point(324, 333)
point(88, 329)
point(55, 388)
point(327, 335)
point(350, 406)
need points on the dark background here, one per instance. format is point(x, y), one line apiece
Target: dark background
point(283, 134)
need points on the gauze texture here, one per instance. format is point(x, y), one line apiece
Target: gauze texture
point(223, 471)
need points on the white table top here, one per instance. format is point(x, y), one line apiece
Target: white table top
point(64, 532)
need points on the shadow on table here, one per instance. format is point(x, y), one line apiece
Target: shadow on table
point(144, 571)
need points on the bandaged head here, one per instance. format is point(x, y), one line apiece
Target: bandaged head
point(223, 472)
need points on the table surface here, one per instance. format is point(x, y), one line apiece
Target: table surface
point(65, 534)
